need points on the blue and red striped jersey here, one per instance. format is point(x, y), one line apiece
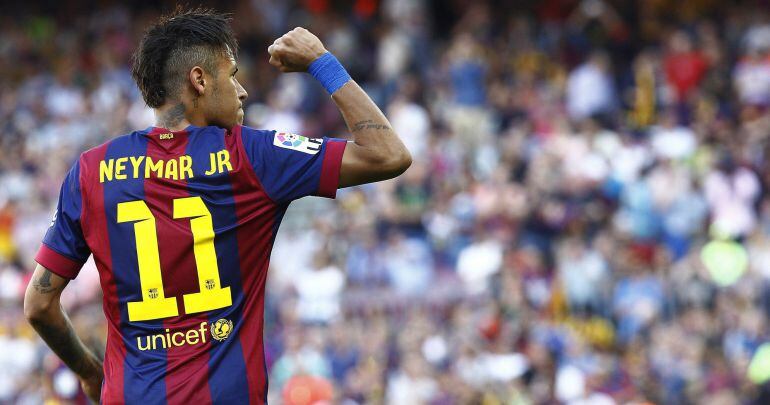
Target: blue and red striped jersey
point(181, 225)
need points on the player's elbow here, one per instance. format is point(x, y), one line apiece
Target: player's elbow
point(37, 307)
point(400, 162)
point(33, 313)
point(396, 160)
point(361, 165)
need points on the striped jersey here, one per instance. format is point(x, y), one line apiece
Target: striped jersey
point(181, 225)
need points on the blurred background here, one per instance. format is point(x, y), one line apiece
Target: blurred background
point(586, 219)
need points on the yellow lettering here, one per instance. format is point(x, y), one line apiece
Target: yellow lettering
point(120, 167)
point(171, 172)
point(168, 339)
point(223, 157)
point(135, 163)
point(212, 162)
point(185, 167)
point(191, 337)
point(150, 166)
point(203, 331)
point(139, 343)
point(106, 170)
point(173, 338)
point(155, 339)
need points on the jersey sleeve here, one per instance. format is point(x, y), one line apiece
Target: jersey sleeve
point(292, 166)
point(64, 249)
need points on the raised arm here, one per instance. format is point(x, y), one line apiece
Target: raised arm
point(376, 152)
point(43, 310)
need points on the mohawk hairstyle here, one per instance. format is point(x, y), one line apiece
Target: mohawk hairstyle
point(172, 46)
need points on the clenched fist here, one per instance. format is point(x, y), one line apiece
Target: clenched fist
point(295, 50)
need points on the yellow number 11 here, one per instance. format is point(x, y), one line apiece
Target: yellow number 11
point(154, 303)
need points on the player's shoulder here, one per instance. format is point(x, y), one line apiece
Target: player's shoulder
point(254, 139)
point(254, 134)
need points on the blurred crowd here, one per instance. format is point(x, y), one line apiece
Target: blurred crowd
point(585, 220)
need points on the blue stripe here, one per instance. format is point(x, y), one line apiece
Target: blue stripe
point(144, 371)
point(227, 368)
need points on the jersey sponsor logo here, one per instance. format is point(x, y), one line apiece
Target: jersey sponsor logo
point(219, 330)
point(170, 339)
point(296, 142)
point(166, 136)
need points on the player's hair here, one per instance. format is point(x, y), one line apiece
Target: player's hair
point(173, 45)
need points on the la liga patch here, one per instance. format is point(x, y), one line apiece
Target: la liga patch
point(296, 142)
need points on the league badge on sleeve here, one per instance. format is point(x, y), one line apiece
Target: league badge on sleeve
point(296, 142)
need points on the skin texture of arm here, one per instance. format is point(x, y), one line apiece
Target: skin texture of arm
point(43, 310)
point(376, 152)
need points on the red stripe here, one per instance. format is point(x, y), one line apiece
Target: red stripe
point(57, 262)
point(94, 223)
point(187, 365)
point(330, 169)
point(256, 217)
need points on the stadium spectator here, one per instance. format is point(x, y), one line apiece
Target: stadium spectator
point(573, 162)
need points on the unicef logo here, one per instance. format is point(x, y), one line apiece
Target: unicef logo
point(221, 329)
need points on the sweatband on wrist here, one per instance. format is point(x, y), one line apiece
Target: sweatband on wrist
point(329, 71)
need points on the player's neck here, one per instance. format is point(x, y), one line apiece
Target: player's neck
point(175, 117)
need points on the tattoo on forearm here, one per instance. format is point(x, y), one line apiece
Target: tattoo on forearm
point(172, 117)
point(61, 338)
point(43, 284)
point(368, 124)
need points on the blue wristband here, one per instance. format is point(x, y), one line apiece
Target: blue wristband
point(329, 71)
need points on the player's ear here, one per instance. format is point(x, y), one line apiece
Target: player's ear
point(197, 81)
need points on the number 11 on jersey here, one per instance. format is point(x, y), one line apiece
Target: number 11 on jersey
point(154, 303)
